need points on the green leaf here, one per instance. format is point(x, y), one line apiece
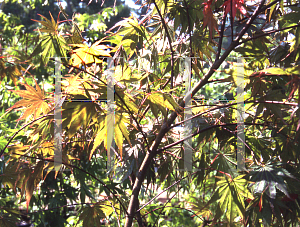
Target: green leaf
point(231, 194)
point(91, 216)
point(51, 43)
point(269, 178)
point(163, 101)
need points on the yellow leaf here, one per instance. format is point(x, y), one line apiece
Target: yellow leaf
point(100, 137)
point(163, 100)
point(120, 132)
point(78, 114)
point(47, 148)
point(72, 85)
point(86, 55)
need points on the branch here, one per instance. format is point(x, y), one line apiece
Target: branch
point(268, 33)
point(269, 5)
point(200, 131)
point(190, 27)
point(174, 207)
point(16, 133)
point(165, 126)
point(169, 39)
point(221, 36)
point(232, 104)
point(165, 206)
point(67, 205)
point(163, 192)
point(231, 20)
point(118, 220)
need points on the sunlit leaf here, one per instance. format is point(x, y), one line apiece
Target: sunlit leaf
point(86, 55)
point(33, 102)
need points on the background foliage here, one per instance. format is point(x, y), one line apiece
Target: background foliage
point(149, 53)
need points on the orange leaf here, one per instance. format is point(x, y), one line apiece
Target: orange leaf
point(29, 191)
point(33, 101)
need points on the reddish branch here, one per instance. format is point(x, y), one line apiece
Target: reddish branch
point(268, 33)
point(232, 104)
point(201, 131)
point(165, 127)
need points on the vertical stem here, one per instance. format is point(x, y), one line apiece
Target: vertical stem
point(190, 27)
point(231, 20)
point(169, 40)
point(221, 36)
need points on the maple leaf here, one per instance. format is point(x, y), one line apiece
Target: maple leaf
point(10, 70)
point(236, 4)
point(76, 115)
point(120, 132)
point(72, 83)
point(33, 101)
point(86, 55)
point(161, 101)
point(209, 19)
point(49, 26)
point(231, 194)
point(22, 176)
point(92, 215)
point(52, 42)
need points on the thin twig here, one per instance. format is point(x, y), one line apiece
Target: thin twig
point(201, 131)
point(231, 20)
point(169, 39)
point(16, 133)
point(165, 206)
point(232, 104)
point(163, 192)
point(268, 33)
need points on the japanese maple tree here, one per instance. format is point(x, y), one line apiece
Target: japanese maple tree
point(145, 127)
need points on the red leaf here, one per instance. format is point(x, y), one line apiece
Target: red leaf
point(236, 4)
point(292, 198)
point(248, 200)
point(209, 19)
point(260, 204)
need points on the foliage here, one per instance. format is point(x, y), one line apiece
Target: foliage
point(149, 61)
